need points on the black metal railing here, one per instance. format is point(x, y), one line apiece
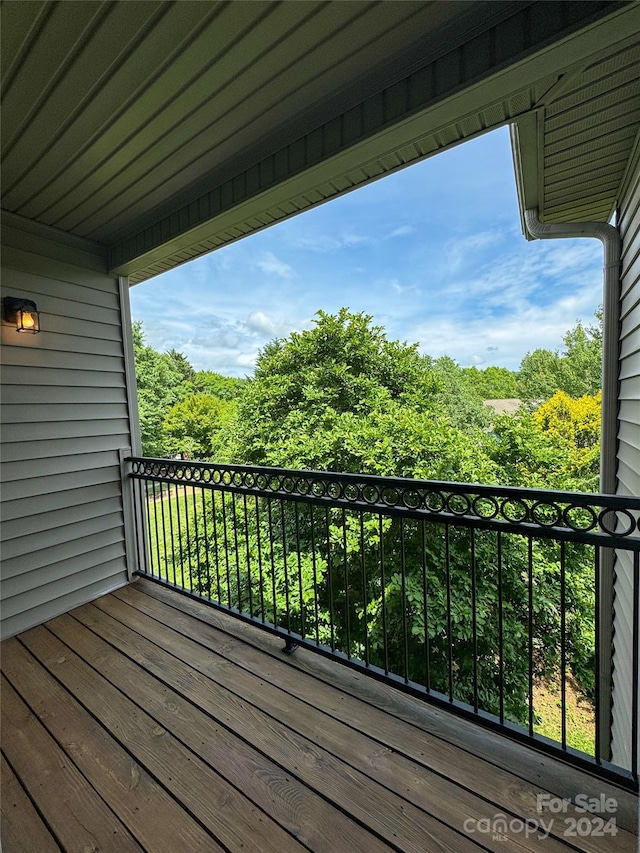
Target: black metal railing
point(481, 598)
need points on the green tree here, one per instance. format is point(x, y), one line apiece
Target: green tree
point(158, 380)
point(195, 426)
point(493, 383)
point(576, 371)
point(342, 397)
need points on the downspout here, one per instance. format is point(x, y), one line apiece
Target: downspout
point(610, 239)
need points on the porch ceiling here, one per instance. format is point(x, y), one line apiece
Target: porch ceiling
point(163, 130)
point(573, 148)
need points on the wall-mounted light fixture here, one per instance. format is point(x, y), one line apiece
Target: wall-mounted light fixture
point(21, 312)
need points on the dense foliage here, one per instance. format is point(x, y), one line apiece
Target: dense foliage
point(342, 397)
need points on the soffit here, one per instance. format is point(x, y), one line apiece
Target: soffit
point(572, 151)
point(163, 130)
point(112, 109)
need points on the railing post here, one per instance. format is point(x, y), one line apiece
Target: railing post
point(130, 532)
point(604, 652)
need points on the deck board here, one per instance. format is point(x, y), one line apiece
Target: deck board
point(187, 729)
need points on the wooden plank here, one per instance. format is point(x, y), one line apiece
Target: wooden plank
point(76, 814)
point(222, 810)
point(295, 806)
point(544, 771)
point(402, 824)
point(501, 788)
point(22, 827)
point(154, 817)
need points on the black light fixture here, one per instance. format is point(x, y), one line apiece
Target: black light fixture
point(21, 312)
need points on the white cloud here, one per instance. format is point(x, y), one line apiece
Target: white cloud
point(270, 265)
point(459, 251)
point(247, 359)
point(261, 322)
point(403, 231)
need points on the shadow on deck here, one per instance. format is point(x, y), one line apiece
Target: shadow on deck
point(146, 720)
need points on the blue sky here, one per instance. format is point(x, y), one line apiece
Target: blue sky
point(434, 253)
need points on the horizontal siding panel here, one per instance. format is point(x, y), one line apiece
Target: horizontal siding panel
point(630, 367)
point(52, 342)
point(65, 417)
point(61, 447)
point(72, 498)
point(75, 549)
point(630, 411)
point(23, 488)
point(629, 434)
point(107, 553)
point(49, 395)
point(80, 320)
point(34, 524)
point(58, 273)
point(630, 344)
point(67, 533)
point(629, 390)
point(16, 414)
point(50, 467)
point(34, 375)
point(630, 310)
point(44, 431)
point(630, 269)
point(21, 356)
point(59, 573)
point(68, 599)
point(628, 473)
point(629, 208)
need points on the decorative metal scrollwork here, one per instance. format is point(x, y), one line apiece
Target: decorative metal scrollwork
point(581, 517)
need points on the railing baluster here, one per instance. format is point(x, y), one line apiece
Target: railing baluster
point(196, 525)
point(155, 522)
point(347, 607)
point(530, 627)
point(447, 558)
point(425, 610)
point(500, 630)
point(179, 523)
point(298, 551)
point(188, 536)
point(365, 597)
point(373, 621)
point(474, 620)
point(635, 591)
point(383, 587)
point(330, 579)
point(260, 571)
point(206, 541)
point(236, 551)
point(312, 529)
point(273, 562)
point(225, 535)
point(563, 647)
point(403, 585)
point(596, 610)
point(216, 540)
point(247, 555)
point(286, 568)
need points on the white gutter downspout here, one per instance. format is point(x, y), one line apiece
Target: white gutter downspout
point(610, 238)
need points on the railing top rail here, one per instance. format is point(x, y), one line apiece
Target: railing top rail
point(575, 498)
point(605, 520)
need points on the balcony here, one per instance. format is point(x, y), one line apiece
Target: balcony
point(148, 720)
point(411, 712)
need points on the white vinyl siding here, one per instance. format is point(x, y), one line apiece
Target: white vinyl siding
point(628, 455)
point(65, 417)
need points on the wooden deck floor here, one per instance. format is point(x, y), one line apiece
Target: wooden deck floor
point(149, 721)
